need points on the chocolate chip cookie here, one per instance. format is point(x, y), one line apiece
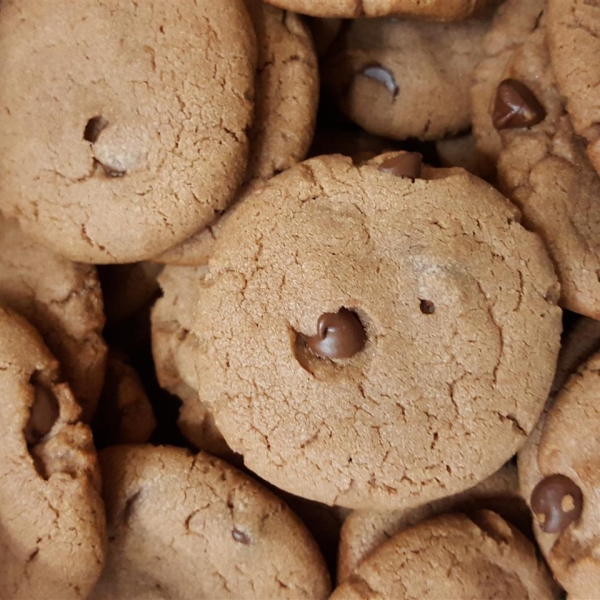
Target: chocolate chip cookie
point(193, 527)
point(63, 300)
point(134, 104)
point(52, 525)
point(328, 346)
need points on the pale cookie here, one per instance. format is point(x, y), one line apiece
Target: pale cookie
point(63, 301)
point(438, 10)
point(125, 414)
point(560, 478)
point(134, 105)
point(194, 527)
point(543, 168)
point(574, 42)
point(174, 344)
point(453, 556)
point(330, 294)
point(365, 530)
point(404, 79)
point(52, 526)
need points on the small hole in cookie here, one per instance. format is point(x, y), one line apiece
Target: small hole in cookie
point(240, 536)
point(44, 410)
point(427, 307)
point(94, 128)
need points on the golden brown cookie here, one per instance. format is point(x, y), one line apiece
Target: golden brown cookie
point(462, 152)
point(438, 10)
point(452, 556)
point(574, 42)
point(332, 293)
point(404, 79)
point(52, 526)
point(542, 164)
point(560, 478)
point(63, 301)
point(365, 530)
point(174, 344)
point(193, 527)
point(134, 104)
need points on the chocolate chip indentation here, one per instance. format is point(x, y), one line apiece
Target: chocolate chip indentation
point(515, 105)
point(407, 164)
point(556, 502)
point(93, 128)
point(240, 536)
point(427, 307)
point(44, 411)
point(339, 335)
point(382, 75)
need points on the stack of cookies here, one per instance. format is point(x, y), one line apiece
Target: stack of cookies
point(300, 299)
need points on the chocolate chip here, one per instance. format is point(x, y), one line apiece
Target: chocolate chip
point(93, 128)
point(339, 335)
point(44, 412)
point(382, 75)
point(407, 164)
point(427, 307)
point(240, 536)
point(556, 502)
point(515, 105)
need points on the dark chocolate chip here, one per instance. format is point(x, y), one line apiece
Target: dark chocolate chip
point(339, 335)
point(515, 105)
point(240, 536)
point(407, 164)
point(556, 502)
point(382, 75)
point(44, 413)
point(427, 307)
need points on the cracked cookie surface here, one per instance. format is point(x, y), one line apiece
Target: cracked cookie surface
point(52, 524)
point(63, 300)
point(106, 162)
point(193, 527)
point(386, 428)
point(452, 556)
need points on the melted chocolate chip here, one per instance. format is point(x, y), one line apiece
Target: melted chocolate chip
point(516, 106)
point(382, 75)
point(556, 502)
point(43, 415)
point(240, 536)
point(339, 335)
point(407, 164)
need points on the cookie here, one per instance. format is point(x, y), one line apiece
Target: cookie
point(125, 414)
point(462, 152)
point(452, 556)
point(405, 79)
point(174, 344)
point(559, 478)
point(183, 526)
point(320, 314)
point(437, 10)
point(63, 301)
point(286, 100)
point(573, 38)
point(365, 530)
point(126, 289)
point(107, 161)
point(51, 514)
point(542, 165)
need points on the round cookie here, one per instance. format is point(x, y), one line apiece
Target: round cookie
point(107, 162)
point(452, 556)
point(52, 525)
point(405, 79)
point(559, 476)
point(193, 527)
point(438, 10)
point(365, 530)
point(174, 344)
point(573, 37)
point(332, 261)
point(63, 300)
point(542, 165)
point(125, 414)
